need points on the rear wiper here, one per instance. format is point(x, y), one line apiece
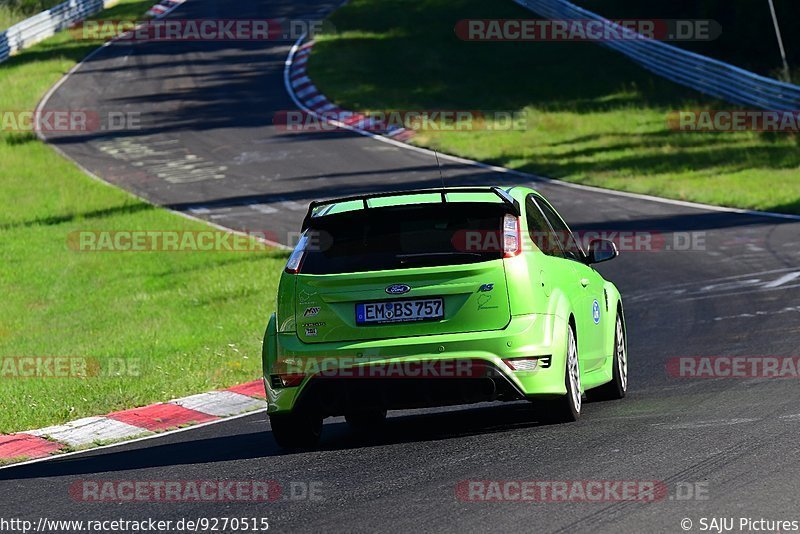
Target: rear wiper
point(412, 258)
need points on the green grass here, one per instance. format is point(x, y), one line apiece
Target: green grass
point(593, 116)
point(190, 321)
point(13, 11)
point(9, 16)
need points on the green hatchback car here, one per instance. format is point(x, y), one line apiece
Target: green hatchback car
point(439, 297)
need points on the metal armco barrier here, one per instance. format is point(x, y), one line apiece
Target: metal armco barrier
point(709, 76)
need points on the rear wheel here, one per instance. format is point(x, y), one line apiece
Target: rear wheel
point(566, 409)
point(618, 387)
point(300, 429)
point(369, 419)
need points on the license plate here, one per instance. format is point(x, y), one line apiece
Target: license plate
point(400, 311)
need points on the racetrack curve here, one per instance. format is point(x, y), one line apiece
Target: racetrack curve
point(209, 106)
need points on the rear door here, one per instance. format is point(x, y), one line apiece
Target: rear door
point(587, 286)
point(557, 274)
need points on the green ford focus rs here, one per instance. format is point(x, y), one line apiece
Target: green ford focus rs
point(439, 297)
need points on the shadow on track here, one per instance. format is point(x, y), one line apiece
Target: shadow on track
point(306, 195)
point(701, 221)
point(336, 436)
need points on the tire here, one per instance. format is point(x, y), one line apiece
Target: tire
point(300, 429)
point(566, 409)
point(618, 387)
point(364, 420)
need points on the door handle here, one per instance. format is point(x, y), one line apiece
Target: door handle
point(584, 282)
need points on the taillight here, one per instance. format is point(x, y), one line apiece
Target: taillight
point(512, 237)
point(298, 254)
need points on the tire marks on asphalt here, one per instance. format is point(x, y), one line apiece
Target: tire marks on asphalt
point(168, 159)
point(722, 287)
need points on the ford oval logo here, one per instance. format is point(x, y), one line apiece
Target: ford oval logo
point(398, 289)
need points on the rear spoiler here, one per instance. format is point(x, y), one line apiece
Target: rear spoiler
point(507, 199)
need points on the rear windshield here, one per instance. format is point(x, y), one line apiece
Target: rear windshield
point(403, 237)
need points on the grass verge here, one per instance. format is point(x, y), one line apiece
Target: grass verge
point(173, 323)
point(593, 117)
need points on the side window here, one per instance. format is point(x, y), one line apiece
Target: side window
point(540, 231)
point(571, 248)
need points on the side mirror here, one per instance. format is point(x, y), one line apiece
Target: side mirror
point(601, 250)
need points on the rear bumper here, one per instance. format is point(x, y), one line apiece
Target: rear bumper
point(478, 357)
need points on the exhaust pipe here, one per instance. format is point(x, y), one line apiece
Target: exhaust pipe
point(489, 387)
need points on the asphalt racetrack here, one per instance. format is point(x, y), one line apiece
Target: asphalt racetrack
point(735, 293)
